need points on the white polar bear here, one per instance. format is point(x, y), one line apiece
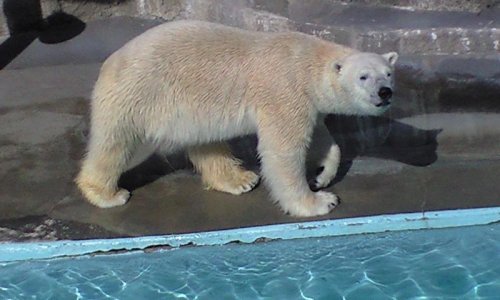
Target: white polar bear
point(192, 84)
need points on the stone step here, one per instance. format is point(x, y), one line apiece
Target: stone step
point(102, 37)
point(379, 29)
point(476, 6)
point(425, 83)
point(446, 83)
point(373, 27)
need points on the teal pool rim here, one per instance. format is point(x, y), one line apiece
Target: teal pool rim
point(325, 228)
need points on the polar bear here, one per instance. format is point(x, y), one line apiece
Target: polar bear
point(193, 84)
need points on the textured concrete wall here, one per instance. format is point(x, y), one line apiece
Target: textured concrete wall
point(436, 5)
point(314, 17)
point(476, 6)
point(164, 9)
point(3, 23)
point(88, 10)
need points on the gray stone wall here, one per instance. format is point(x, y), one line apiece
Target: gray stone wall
point(3, 23)
point(313, 17)
point(88, 10)
point(475, 6)
point(434, 5)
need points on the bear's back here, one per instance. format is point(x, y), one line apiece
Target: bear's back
point(184, 39)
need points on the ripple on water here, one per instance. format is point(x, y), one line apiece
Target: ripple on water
point(386, 269)
point(451, 263)
point(488, 290)
point(366, 291)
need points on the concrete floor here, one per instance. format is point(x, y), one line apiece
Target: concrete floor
point(438, 148)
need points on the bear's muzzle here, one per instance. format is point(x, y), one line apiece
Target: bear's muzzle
point(385, 93)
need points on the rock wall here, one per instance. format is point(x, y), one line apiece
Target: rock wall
point(439, 27)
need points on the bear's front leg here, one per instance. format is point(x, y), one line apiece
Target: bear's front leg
point(283, 151)
point(327, 169)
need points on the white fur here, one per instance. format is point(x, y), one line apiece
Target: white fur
point(330, 165)
point(376, 69)
point(191, 84)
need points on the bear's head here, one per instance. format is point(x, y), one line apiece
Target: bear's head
point(362, 83)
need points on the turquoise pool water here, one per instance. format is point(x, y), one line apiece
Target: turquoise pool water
point(461, 263)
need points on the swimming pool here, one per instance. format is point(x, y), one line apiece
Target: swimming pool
point(455, 263)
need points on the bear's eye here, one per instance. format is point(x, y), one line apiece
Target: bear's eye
point(388, 74)
point(363, 77)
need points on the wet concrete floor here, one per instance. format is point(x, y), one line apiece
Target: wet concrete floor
point(438, 148)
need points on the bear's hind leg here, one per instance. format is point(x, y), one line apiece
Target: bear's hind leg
point(106, 160)
point(220, 170)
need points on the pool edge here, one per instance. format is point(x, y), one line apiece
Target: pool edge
point(325, 228)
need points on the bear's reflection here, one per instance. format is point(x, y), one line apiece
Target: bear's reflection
point(378, 137)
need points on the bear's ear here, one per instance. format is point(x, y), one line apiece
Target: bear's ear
point(391, 57)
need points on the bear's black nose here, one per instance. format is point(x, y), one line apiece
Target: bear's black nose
point(385, 93)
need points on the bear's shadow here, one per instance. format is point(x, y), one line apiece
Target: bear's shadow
point(380, 137)
point(377, 137)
